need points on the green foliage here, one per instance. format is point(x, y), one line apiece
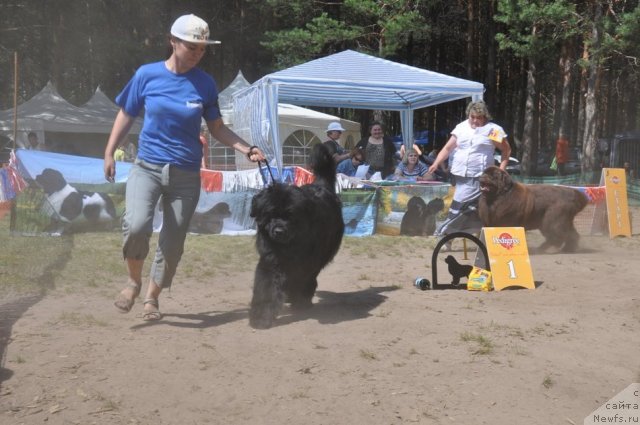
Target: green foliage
point(623, 36)
point(365, 25)
point(532, 28)
point(297, 45)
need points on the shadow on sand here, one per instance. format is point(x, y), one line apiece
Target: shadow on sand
point(331, 308)
point(12, 310)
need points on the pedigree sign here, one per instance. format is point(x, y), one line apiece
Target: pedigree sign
point(508, 257)
point(615, 182)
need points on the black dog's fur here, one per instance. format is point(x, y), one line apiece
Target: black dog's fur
point(420, 218)
point(72, 205)
point(299, 231)
point(457, 270)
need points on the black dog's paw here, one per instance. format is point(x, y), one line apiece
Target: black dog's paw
point(262, 317)
point(301, 305)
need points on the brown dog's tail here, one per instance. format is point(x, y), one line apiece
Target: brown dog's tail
point(323, 166)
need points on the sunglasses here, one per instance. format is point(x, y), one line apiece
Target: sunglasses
point(357, 159)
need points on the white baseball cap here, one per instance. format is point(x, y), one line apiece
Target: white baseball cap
point(192, 29)
point(335, 126)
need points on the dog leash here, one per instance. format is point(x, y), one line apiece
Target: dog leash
point(264, 178)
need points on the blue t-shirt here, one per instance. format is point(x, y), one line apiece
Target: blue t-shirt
point(346, 167)
point(174, 105)
point(419, 170)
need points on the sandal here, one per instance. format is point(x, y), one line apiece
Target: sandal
point(150, 316)
point(124, 304)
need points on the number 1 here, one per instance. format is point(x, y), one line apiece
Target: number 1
point(512, 270)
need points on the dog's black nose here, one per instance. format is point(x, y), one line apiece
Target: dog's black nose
point(278, 232)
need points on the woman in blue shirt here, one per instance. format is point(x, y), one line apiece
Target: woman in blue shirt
point(350, 165)
point(175, 96)
point(410, 168)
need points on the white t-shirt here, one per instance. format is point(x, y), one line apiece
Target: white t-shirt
point(475, 148)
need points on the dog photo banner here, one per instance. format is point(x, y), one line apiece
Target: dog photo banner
point(394, 205)
point(67, 193)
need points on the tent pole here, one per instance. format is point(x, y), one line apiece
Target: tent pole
point(15, 98)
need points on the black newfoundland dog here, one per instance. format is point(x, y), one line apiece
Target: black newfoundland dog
point(299, 231)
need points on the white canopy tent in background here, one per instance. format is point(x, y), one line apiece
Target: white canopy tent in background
point(291, 118)
point(347, 79)
point(48, 112)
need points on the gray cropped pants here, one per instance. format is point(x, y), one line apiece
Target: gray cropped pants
point(178, 191)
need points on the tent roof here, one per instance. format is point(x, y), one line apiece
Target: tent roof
point(345, 80)
point(48, 111)
point(351, 79)
point(225, 97)
point(100, 103)
point(288, 113)
point(100, 107)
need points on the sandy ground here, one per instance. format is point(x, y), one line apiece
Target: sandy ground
point(373, 350)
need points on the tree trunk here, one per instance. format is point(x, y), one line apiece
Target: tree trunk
point(529, 120)
point(471, 32)
point(565, 72)
point(589, 138)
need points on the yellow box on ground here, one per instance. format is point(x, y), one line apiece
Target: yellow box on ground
point(508, 257)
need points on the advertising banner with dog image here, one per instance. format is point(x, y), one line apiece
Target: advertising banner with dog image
point(66, 194)
point(359, 209)
point(414, 210)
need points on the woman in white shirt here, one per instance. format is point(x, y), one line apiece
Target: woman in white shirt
point(474, 141)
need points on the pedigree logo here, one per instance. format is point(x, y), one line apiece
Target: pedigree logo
point(506, 241)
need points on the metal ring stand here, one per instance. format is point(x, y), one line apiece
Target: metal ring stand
point(444, 240)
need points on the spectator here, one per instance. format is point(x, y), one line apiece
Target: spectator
point(349, 166)
point(34, 144)
point(379, 150)
point(119, 154)
point(474, 141)
point(126, 151)
point(416, 149)
point(562, 154)
point(130, 151)
point(411, 168)
point(334, 131)
point(442, 173)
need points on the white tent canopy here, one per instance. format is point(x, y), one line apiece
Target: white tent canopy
point(347, 79)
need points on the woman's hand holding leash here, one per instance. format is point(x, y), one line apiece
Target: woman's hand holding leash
point(255, 154)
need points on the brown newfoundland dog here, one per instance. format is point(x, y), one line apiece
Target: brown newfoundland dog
point(549, 208)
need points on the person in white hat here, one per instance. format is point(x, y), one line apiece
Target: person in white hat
point(334, 131)
point(175, 95)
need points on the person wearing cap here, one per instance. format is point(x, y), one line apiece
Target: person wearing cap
point(175, 96)
point(334, 131)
